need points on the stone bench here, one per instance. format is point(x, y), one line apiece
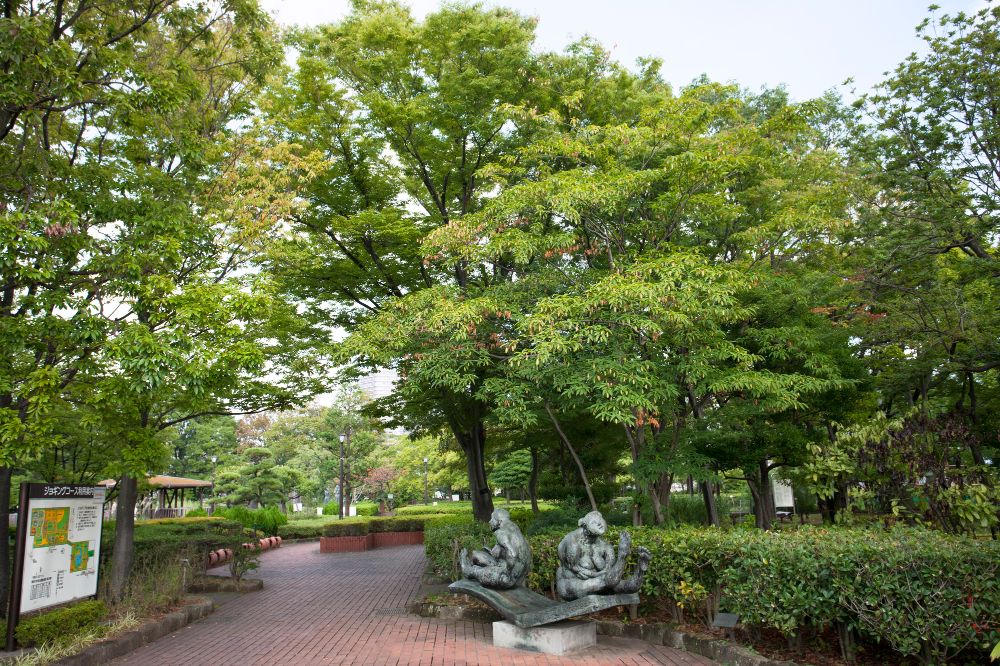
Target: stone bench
point(527, 609)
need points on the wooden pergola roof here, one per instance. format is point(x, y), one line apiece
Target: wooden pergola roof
point(163, 481)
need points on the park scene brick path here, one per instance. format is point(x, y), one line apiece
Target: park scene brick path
point(349, 608)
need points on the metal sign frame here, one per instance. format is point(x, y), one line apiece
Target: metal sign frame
point(28, 492)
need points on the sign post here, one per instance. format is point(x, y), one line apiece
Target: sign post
point(58, 548)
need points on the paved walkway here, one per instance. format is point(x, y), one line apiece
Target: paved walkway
point(349, 608)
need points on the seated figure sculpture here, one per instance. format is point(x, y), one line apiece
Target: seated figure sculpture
point(506, 564)
point(588, 564)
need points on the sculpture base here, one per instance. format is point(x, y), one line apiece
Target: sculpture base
point(530, 609)
point(559, 638)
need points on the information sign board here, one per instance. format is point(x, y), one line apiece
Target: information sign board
point(62, 544)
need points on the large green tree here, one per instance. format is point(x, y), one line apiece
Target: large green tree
point(71, 70)
point(926, 259)
point(929, 142)
point(169, 207)
point(408, 113)
point(639, 249)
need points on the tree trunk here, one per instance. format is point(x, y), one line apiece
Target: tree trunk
point(121, 556)
point(663, 485)
point(838, 502)
point(826, 510)
point(654, 499)
point(761, 516)
point(659, 495)
point(710, 507)
point(5, 573)
point(533, 481)
point(759, 482)
point(473, 443)
point(663, 491)
point(576, 458)
point(848, 646)
point(767, 491)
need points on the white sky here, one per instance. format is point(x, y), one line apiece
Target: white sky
point(808, 45)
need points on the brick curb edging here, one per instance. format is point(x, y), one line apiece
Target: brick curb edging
point(105, 651)
point(657, 633)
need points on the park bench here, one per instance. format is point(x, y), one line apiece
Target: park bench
point(737, 514)
point(528, 609)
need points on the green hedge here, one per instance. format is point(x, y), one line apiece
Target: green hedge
point(366, 508)
point(354, 526)
point(453, 508)
point(60, 625)
point(465, 508)
point(361, 509)
point(159, 542)
point(924, 593)
point(300, 530)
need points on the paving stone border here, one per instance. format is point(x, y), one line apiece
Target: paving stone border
point(657, 633)
point(105, 651)
point(210, 583)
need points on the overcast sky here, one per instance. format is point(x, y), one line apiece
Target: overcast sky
point(808, 45)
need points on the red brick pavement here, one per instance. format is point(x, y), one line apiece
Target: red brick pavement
point(347, 609)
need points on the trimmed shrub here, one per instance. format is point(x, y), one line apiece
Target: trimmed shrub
point(465, 508)
point(361, 508)
point(60, 625)
point(265, 519)
point(445, 537)
point(196, 513)
point(300, 530)
point(927, 594)
point(347, 527)
point(400, 524)
point(354, 526)
point(547, 520)
point(446, 508)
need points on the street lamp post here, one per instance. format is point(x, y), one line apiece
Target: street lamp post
point(425, 481)
point(212, 504)
point(340, 495)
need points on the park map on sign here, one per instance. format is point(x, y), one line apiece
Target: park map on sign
point(80, 556)
point(50, 527)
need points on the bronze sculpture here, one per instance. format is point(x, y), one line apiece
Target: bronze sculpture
point(504, 566)
point(588, 564)
point(590, 577)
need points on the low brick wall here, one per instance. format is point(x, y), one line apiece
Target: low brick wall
point(356, 544)
point(385, 539)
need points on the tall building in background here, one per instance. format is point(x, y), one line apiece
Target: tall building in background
point(379, 384)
